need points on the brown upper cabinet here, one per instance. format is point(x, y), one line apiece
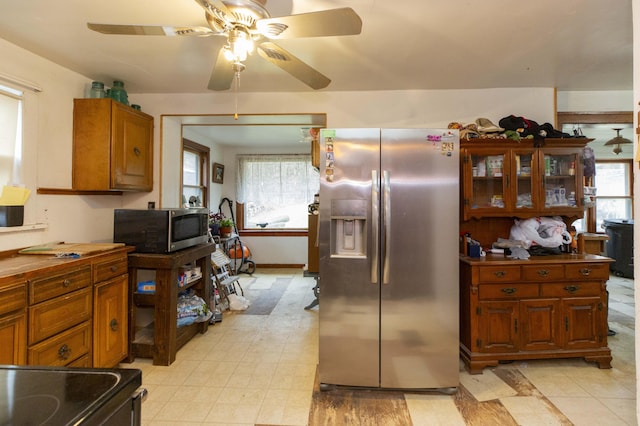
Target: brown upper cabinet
point(505, 178)
point(112, 147)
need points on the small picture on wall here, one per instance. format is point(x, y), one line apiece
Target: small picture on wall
point(217, 174)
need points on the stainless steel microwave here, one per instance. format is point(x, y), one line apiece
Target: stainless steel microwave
point(161, 230)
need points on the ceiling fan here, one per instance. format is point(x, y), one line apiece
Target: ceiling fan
point(247, 23)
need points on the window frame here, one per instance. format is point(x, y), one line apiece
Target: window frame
point(253, 232)
point(203, 153)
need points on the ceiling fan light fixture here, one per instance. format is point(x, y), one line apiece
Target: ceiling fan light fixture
point(239, 46)
point(617, 141)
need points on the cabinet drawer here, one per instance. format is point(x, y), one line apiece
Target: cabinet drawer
point(108, 269)
point(570, 289)
point(13, 298)
point(41, 289)
point(62, 349)
point(492, 274)
point(53, 316)
point(507, 291)
point(539, 273)
point(588, 271)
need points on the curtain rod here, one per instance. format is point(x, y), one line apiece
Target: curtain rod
point(20, 82)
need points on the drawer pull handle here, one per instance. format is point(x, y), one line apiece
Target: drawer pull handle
point(136, 151)
point(66, 283)
point(113, 268)
point(64, 352)
point(543, 272)
point(585, 271)
point(499, 274)
point(572, 288)
point(113, 325)
point(509, 290)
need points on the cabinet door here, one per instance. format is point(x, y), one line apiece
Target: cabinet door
point(523, 181)
point(562, 181)
point(584, 323)
point(110, 326)
point(484, 183)
point(13, 339)
point(497, 326)
point(540, 324)
point(132, 149)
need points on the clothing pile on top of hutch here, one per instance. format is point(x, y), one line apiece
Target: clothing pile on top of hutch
point(530, 306)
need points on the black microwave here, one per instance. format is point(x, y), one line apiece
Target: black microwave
point(161, 230)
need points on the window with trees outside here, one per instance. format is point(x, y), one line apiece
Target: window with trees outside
point(276, 190)
point(195, 174)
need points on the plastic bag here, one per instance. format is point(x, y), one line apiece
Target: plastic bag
point(192, 308)
point(542, 231)
point(238, 303)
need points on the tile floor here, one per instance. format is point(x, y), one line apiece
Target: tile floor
point(260, 369)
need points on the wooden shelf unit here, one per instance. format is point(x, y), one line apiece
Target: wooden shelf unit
point(162, 338)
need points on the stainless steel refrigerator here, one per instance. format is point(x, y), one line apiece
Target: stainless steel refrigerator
point(388, 271)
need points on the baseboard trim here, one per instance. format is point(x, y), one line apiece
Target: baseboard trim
point(279, 265)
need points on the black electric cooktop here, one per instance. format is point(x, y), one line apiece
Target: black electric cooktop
point(61, 396)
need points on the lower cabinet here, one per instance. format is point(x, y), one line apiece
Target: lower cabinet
point(64, 312)
point(110, 330)
point(512, 311)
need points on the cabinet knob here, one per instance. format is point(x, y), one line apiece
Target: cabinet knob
point(499, 274)
point(136, 151)
point(113, 268)
point(543, 272)
point(585, 271)
point(66, 283)
point(64, 352)
point(113, 325)
point(509, 290)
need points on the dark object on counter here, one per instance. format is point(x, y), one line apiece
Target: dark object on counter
point(70, 396)
point(11, 215)
point(620, 246)
point(543, 251)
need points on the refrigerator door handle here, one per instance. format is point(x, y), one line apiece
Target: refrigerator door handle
point(386, 225)
point(375, 214)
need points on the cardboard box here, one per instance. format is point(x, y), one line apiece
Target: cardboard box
point(11, 215)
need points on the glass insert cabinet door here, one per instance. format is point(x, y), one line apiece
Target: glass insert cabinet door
point(523, 183)
point(560, 180)
point(488, 181)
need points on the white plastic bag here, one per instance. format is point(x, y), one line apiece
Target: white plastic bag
point(542, 231)
point(238, 303)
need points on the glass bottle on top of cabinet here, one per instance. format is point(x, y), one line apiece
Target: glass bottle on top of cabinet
point(488, 181)
point(560, 180)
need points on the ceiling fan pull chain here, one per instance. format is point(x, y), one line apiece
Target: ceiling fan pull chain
point(235, 116)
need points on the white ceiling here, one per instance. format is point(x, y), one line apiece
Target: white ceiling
point(408, 44)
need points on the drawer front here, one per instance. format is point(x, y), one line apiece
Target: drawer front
point(53, 316)
point(582, 271)
point(46, 288)
point(82, 362)
point(62, 349)
point(492, 274)
point(108, 269)
point(571, 289)
point(541, 273)
point(13, 298)
point(507, 291)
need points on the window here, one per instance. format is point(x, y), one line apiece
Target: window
point(10, 135)
point(276, 190)
point(613, 196)
point(195, 174)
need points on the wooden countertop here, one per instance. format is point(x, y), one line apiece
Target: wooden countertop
point(14, 265)
point(499, 259)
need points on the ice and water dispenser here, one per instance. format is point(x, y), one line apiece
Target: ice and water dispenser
point(348, 228)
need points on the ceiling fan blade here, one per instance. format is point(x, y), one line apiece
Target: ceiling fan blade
point(216, 8)
point(294, 66)
point(333, 22)
point(150, 30)
point(222, 74)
